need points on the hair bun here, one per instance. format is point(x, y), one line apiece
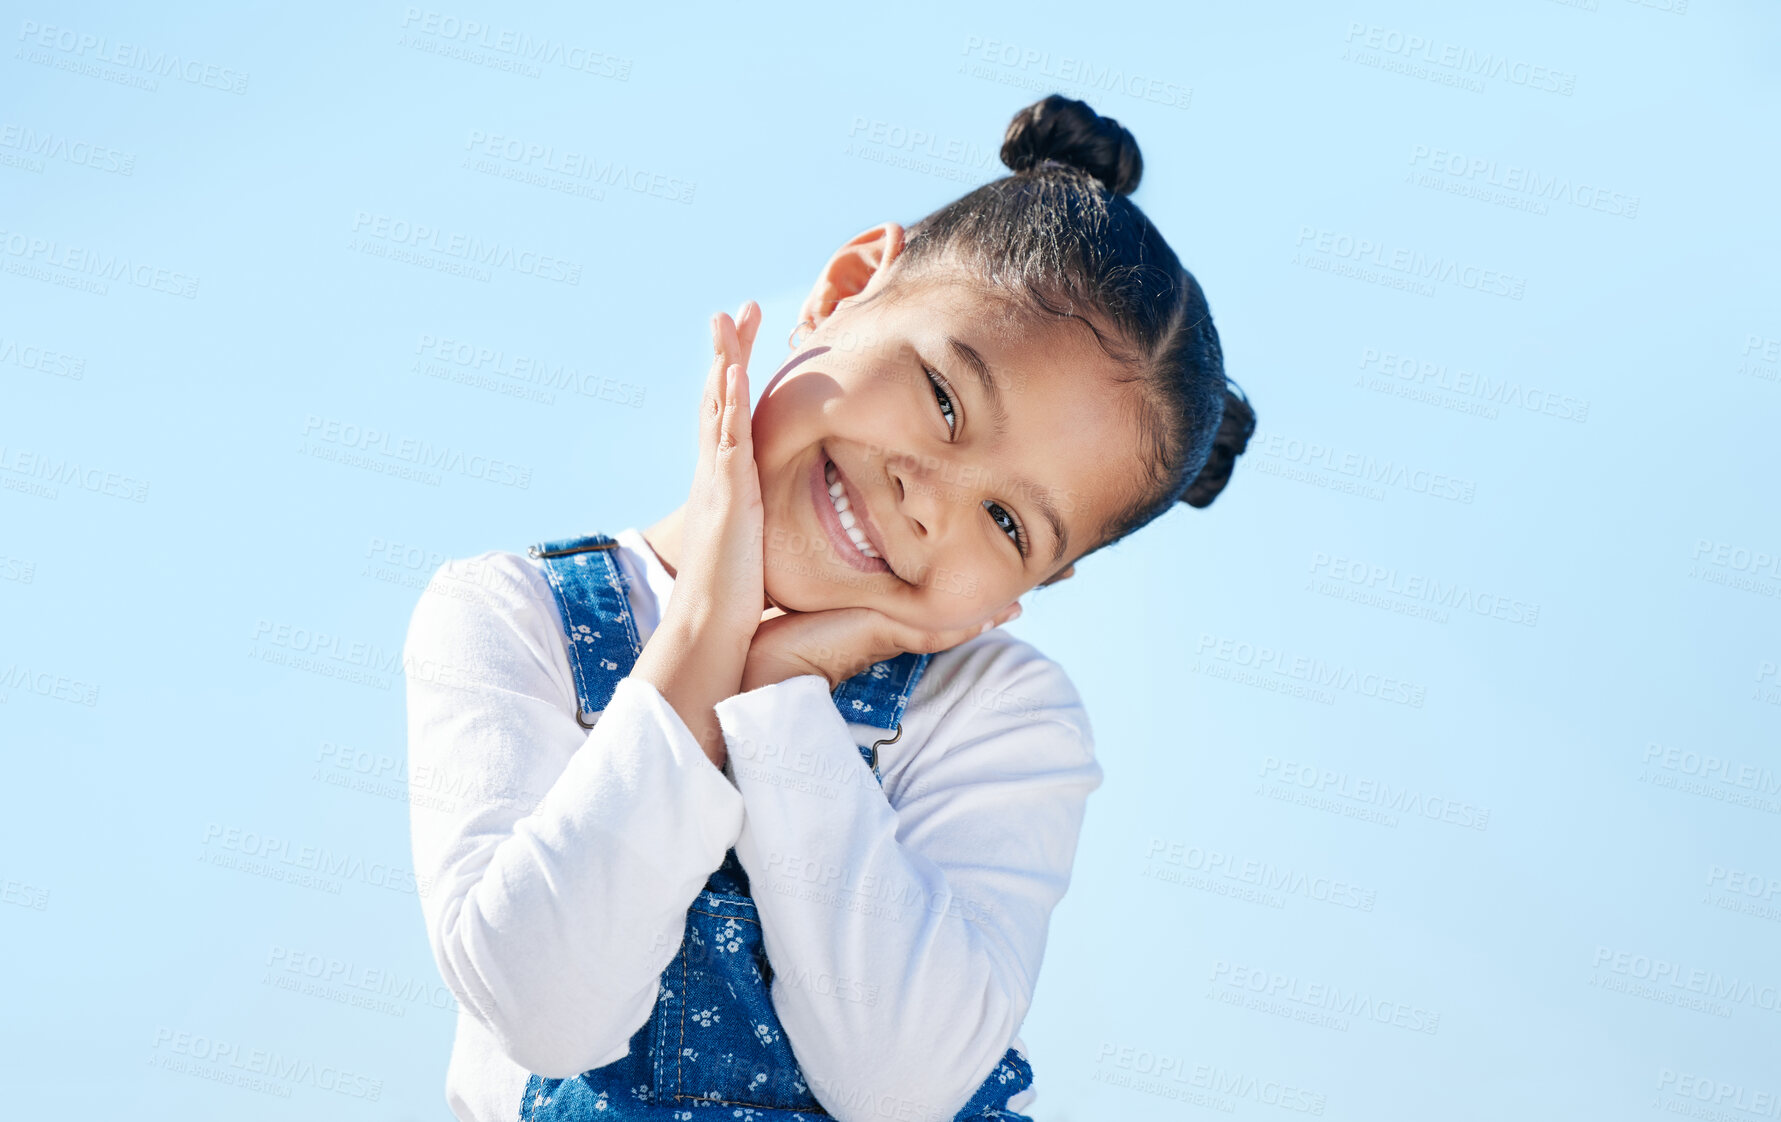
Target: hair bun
point(1234, 431)
point(1068, 131)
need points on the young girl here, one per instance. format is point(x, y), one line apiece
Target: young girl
point(752, 810)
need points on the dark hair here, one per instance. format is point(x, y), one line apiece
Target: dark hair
point(1062, 232)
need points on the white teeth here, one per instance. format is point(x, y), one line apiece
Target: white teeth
point(843, 509)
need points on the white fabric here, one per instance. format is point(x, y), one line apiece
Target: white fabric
point(905, 925)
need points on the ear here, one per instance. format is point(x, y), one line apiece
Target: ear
point(1065, 573)
point(854, 269)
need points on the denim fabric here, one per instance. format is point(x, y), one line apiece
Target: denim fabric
point(713, 1038)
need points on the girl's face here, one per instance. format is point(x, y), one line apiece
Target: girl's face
point(971, 483)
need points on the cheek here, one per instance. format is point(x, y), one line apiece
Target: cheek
point(772, 417)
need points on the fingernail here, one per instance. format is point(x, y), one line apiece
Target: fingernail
point(741, 310)
point(1015, 614)
point(987, 624)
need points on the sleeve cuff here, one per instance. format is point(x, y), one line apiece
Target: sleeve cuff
point(710, 789)
point(782, 728)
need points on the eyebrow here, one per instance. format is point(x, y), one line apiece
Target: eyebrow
point(969, 356)
point(1060, 537)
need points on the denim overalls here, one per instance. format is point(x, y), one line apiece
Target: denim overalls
point(713, 1038)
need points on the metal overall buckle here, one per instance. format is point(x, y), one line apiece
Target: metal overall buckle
point(886, 740)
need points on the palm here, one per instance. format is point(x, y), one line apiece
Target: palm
point(838, 643)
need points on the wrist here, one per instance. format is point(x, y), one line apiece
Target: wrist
point(703, 625)
point(766, 671)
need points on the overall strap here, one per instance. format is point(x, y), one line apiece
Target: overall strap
point(590, 591)
point(591, 594)
point(877, 695)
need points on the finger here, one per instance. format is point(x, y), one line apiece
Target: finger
point(1006, 615)
point(734, 429)
point(730, 339)
point(841, 641)
point(711, 402)
point(930, 640)
point(724, 345)
point(748, 324)
point(737, 438)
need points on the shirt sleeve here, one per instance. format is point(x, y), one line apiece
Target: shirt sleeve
point(906, 925)
point(558, 863)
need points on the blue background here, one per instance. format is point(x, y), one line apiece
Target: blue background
point(1537, 860)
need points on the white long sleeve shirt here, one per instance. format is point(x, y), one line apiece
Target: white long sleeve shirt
point(905, 924)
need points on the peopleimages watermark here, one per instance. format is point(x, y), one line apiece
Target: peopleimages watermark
point(920, 150)
point(421, 454)
point(1743, 891)
point(39, 475)
point(1424, 380)
point(86, 269)
point(1367, 582)
point(1765, 670)
point(1464, 173)
point(44, 360)
point(1363, 473)
point(1711, 776)
point(445, 34)
point(377, 989)
point(426, 571)
point(139, 66)
point(1455, 60)
point(1200, 1084)
point(310, 866)
point(427, 786)
point(1419, 271)
point(22, 895)
point(325, 654)
point(1749, 1102)
point(1762, 357)
point(265, 1070)
point(35, 147)
point(408, 566)
point(1697, 988)
point(1319, 1002)
point(19, 569)
point(1272, 882)
point(1032, 68)
point(1314, 672)
point(821, 880)
point(1738, 566)
point(538, 164)
point(516, 374)
point(399, 239)
point(56, 687)
point(1366, 791)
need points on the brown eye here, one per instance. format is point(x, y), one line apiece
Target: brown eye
point(1012, 529)
point(944, 397)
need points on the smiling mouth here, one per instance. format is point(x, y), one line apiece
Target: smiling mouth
point(841, 517)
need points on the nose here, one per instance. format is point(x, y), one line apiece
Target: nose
point(921, 497)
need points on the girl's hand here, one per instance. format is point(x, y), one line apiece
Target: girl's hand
point(721, 580)
point(841, 642)
point(697, 653)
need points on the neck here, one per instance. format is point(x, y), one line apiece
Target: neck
point(664, 538)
